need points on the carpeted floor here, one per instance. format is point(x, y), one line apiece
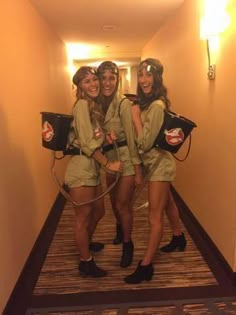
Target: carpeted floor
point(183, 283)
point(59, 274)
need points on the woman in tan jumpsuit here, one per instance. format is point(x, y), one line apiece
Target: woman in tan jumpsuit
point(83, 170)
point(159, 164)
point(118, 119)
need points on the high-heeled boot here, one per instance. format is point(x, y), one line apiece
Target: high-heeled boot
point(119, 235)
point(127, 254)
point(178, 243)
point(90, 269)
point(142, 273)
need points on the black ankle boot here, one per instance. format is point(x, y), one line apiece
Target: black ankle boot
point(127, 254)
point(142, 273)
point(119, 235)
point(177, 243)
point(90, 269)
point(96, 246)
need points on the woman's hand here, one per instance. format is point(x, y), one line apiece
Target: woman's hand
point(114, 166)
point(111, 137)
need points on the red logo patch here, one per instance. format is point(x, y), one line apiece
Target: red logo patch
point(47, 131)
point(174, 136)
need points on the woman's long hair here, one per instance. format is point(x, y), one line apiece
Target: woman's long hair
point(95, 109)
point(159, 91)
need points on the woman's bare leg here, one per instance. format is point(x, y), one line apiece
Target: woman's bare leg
point(123, 192)
point(158, 197)
point(82, 218)
point(172, 213)
point(110, 180)
point(98, 211)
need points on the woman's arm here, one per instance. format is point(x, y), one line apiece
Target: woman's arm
point(136, 115)
point(148, 128)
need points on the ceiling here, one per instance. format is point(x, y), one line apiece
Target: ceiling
point(106, 29)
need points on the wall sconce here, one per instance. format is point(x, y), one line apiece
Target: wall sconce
point(214, 22)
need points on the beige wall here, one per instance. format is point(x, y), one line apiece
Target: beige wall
point(207, 179)
point(33, 79)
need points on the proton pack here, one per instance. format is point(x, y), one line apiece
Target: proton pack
point(174, 130)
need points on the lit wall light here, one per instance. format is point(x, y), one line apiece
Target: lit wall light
point(214, 22)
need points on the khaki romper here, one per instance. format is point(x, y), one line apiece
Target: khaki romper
point(119, 119)
point(82, 170)
point(159, 165)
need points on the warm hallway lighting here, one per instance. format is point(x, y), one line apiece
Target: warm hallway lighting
point(214, 22)
point(76, 51)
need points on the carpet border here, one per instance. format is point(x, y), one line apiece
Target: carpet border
point(209, 302)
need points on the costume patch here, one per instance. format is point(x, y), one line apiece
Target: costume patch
point(47, 131)
point(174, 136)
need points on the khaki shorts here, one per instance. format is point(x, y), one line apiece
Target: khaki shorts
point(124, 157)
point(159, 166)
point(82, 171)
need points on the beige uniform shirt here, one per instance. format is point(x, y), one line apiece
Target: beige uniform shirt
point(159, 164)
point(82, 170)
point(119, 119)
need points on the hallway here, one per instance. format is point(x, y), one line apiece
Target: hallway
point(35, 77)
point(184, 282)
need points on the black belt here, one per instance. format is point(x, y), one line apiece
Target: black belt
point(73, 151)
point(110, 147)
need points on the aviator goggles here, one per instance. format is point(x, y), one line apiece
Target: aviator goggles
point(92, 71)
point(150, 68)
point(110, 67)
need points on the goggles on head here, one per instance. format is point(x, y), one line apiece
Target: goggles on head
point(82, 73)
point(150, 68)
point(110, 67)
point(93, 71)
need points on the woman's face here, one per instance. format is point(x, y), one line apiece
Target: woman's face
point(108, 83)
point(145, 80)
point(90, 85)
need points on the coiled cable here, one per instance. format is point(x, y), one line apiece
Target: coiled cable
point(67, 195)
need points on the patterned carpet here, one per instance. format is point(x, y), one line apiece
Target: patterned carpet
point(183, 283)
point(59, 274)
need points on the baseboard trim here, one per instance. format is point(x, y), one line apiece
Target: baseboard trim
point(220, 267)
point(23, 290)
point(234, 279)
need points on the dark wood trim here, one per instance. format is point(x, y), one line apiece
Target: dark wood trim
point(128, 296)
point(216, 261)
point(234, 279)
point(22, 293)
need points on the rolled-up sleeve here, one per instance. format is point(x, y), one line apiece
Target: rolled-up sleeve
point(84, 130)
point(152, 120)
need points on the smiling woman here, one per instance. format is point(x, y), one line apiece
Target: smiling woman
point(83, 170)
